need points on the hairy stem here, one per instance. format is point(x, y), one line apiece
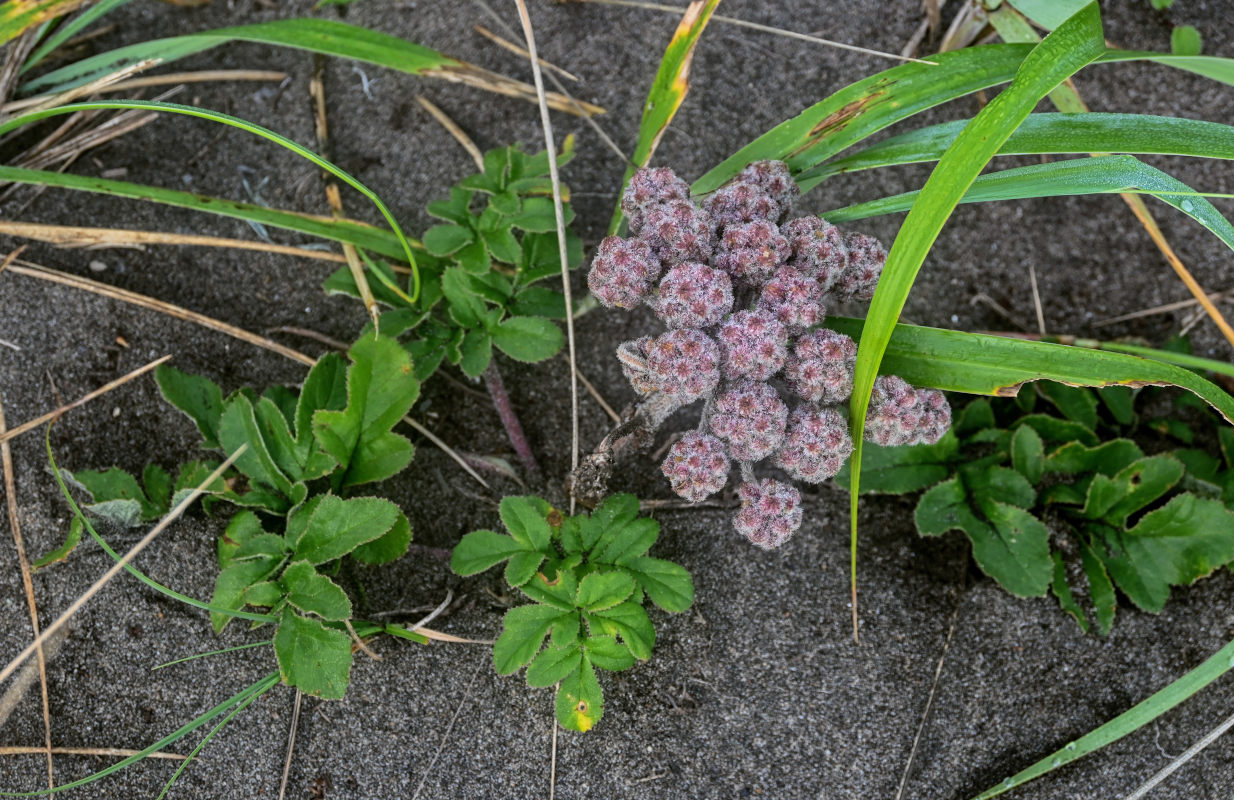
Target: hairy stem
point(514, 430)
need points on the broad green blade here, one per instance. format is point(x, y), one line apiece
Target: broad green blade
point(18, 16)
point(315, 35)
point(1042, 134)
point(69, 29)
point(1060, 55)
point(668, 90)
point(1096, 175)
point(339, 230)
point(977, 363)
point(1127, 722)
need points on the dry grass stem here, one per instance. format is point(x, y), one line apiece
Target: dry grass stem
point(1216, 297)
point(359, 643)
point(291, 742)
point(26, 679)
point(1188, 754)
point(101, 752)
point(1032, 279)
point(471, 75)
point(85, 90)
point(10, 491)
point(522, 51)
point(436, 612)
point(170, 79)
point(115, 569)
point(454, 130)
point(998, 308)
point(608, 409)
point(328, 341)
point(26, 427)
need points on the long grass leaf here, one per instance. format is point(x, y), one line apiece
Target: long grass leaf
point(1127, 722)
point(1096, 175)
point(18, 16)
point(1060, 55)
point(668, 89)
point(977, 363)
point(257, 688)
point(327, 37)
point(66, 31)
point(248, 127)
point(1048, 134)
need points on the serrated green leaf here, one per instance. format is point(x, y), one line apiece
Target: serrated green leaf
point(526, 520)
point(193, 474)
point(522, 566)
point(324, 389)
point(1138, 485)
point(115, 496)
point(629, 621)
point(389, 546)
point(314, 593)
point(313, 658)
point(474, 258)
point(1028, 453)
point(1053, 429)
point(603, 590)
point(554, 664)
point(277, 435)
point(1120, 401)
point(480, 550)
point(456, 209)
point(606, 653)
point(1100, 589)
point(477, 352)
point(380, 390)
point(502, 245)
point(238, 427)
point(667, 584)
point(243, 526)
point(231, 583)
point(339, 526)
point(631, 540)
point(538, 301)
point(466, 308)
point(443, 240)
point(901, 470)
point(528, 339)
point(1062, 592)
point(1108, 458)
point(157, 483)
point(538, 216)
point(555, 584)
point(975, 416)
point(199, 398)
point(267, 594)
point(566, 629)
point(1076, 403)
point(524, 629)
point(580, 703)
point(1185, 40)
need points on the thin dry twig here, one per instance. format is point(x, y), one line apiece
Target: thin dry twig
point(359, 643)
point(1190, 753)
point(998, 307)
point(291, 742)
point(26, 427)
point(454, 130)
point(115, 83)
point(102, 752)
point(436, 612)
point(608, 409)
point(115, 569)
point(522, 51)
point(10, 491)
point(1216, 297)
point(1032, 278)
point(25, 679)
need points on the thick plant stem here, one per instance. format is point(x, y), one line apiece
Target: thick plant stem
point(514, 430)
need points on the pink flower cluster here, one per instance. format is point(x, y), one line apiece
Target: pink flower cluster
point(741, 289)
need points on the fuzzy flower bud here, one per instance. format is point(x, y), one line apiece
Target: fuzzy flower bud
point(622, 272)
point(633, 359)
point(816, 445)
point(817, 249)
point(753, 344)
point(649, 187)
point(794, 298)
point(677, 231)
point(770, 512)
point(684, 363)
point(900, 415)
point(697, 466)
point(751, 251)
point(693, 296)
point(821, 366)
point(774, 178)
point(751, 417)
point(866, 258)
point(739, 202)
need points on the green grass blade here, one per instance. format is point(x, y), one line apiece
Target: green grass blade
point(1060, 55)
point(339, 230)
point(248, 127)
point(1096, 175)
point(257, 688)
point(668, 90)
point(69, 29)
point(977, 363)
point(224, 651)
point(18, 16)
point(1127, 722)
point(1049, 133)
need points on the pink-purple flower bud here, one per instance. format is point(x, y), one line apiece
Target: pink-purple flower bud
point(816, 444)
point(697, 466)
point(693, 296)
point(774, 178)
point(750, 416)
point(622, 272)
point(901, 415)
point(684, 363)
point(866, 258)
point(751, 251)
point(794, 298)
point(753, 344)
point(770, 512)
point(820, 368)
point(740, 202)
point(817, 249)
point(677, 231)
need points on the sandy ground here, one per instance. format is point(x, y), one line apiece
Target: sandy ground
point(756, 692)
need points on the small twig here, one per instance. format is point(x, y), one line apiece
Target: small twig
point(102, 752)
point(359, 643)
point(332, 343)
point(1210, 737)
point(436, 612)
point(613, 415)
point(454, 130)
point(123, 562)
point(514, 48)
point(115, 84)
point(445, 737)
point(291, 742)
point(1215, 297)
point(682, 505)
point(552, 767)
point(985, 299)
point(509, 419)
point(26, 427)
point(1032, 278)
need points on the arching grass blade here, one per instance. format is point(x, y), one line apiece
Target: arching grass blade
point(69, 29)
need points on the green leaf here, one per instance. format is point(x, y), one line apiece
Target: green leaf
point(629, 621)
point(477, 351)
point(443, 240)
point(524, 630)
point(901, 470)
point(62, 552)
point(199, 398)
point(314, 593)
point(553, 664)
point(158, 485)
point(1075, 403)
point(503, 245)
point(526, 520)
point(1186, 41)
point(523, 566)
point(324, 389)
point(528, 338)
point(580, 703)
point(266, 594)
point(997, 365)
point(1009, 544)
point(481, 550)
point(1175, 545)
point(389, 547)
point(466, 308)
point(605, 653)
point(1028, 453)
point(456, 209)
point(313, 658)
point(538, 301)
point(339, 526)
point(238, 427)
point(274, 431)
point(194, 474)
point(245, 525)
point(1100, 589)
point(1121, 403)
point(1053, 429)
point(603, 590)
point(667, 584)
point(1108, 458)
point(231, 583)
point(1138, 485)
point(538, 216)
point(115, 496)
point(625, 541)
point(380, 390)
point(1062, 591)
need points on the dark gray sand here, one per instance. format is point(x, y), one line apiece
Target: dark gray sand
point(757, 691)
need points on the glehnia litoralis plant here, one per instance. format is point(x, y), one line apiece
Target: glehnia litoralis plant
point(742, 289)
